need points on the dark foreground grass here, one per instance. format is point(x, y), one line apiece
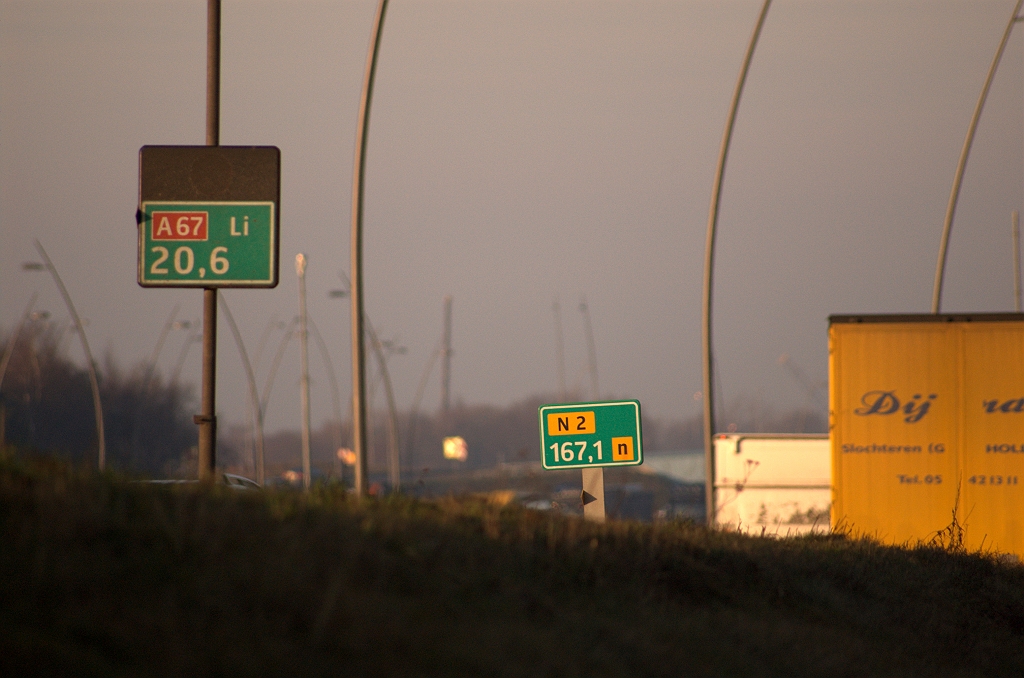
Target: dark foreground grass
point(99, 576)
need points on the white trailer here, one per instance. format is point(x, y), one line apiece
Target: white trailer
point(777, 484)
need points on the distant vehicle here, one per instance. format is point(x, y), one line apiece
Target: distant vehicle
point(235, 482)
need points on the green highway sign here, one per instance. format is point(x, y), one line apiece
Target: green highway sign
point(209, 216)
point(208, 244)
point(585, 435)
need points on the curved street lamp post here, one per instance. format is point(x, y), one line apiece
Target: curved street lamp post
point(378, 346)
point(9, 349)
point(961, 166)
point(709, 261)
point(300, 270)
point(257, 412)
point(90, 363)
point(358, 176)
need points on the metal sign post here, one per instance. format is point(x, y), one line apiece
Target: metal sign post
point(591, 436)
point(207, 417)
point(208, 217)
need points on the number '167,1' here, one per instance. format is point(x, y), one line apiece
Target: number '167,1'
point(184, 260)
point(570, 451)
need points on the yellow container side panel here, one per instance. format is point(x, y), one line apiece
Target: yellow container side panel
point(894, 395)
point(993, 431)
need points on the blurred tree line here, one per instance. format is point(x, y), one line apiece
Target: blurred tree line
point(46, 404)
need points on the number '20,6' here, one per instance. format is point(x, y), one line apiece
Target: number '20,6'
point(567, 453)
point(185, 260)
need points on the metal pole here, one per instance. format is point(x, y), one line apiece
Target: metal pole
point(5, 361)
point(151, 365)
point(300, 269)
point(356, 247)
point(591, 349)
point(559, 349)
point(90, 363)
point(212, 72)
point(394, 471)
point(250, 375)
point(147, 377)
point(415, 409)
point(709, 262)
point(958, 176)
point(191, 338)
point(331, 378)
point(207, 418)
point(275, 364)
point(9, 349)
point(1016, 260)
point(446, 360)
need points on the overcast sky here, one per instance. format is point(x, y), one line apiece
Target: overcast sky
point(522, 151)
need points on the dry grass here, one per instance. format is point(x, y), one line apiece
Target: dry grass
point(100, 576)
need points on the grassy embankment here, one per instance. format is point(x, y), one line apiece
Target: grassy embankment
point(99, 576)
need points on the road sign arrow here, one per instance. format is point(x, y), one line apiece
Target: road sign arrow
point(586, 497)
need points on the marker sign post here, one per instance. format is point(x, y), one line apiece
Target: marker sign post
point(591, 436)
point(208, 217)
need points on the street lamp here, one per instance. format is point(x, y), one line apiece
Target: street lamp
point(591, 348)
point(194, 337)
point(394, 469)
point(169, 325)
point(709, 268)
point(253, 395)
point(415, 409)
point(279, 354)
point(331, 377)
point(300, 270)
point(379, 349)
point(356, 254)
point(556, 308)
point(958, 176)
point(94, 382)
point(9, 349)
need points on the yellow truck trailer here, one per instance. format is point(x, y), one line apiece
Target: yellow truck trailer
point(926, 418)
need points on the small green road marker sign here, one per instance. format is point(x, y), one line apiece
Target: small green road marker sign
point(207, 244)
point(588, 435)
